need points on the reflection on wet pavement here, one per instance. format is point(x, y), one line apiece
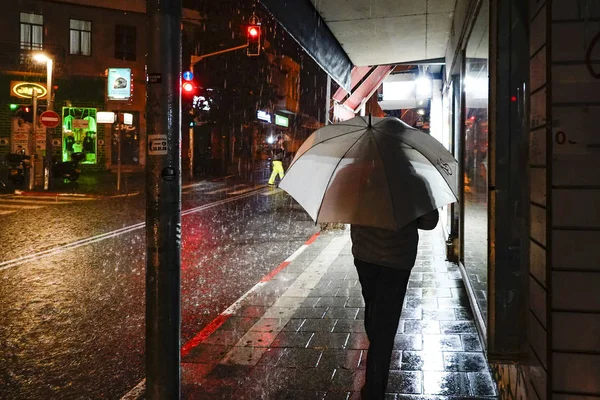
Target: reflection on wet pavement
point(301, 335)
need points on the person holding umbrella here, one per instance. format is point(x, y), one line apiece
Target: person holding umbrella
point(383, 260)
point(387, 180)
point(278, 154)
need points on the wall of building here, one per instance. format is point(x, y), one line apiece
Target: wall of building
point(564, 169)
point(573, 199)
point(82, 79)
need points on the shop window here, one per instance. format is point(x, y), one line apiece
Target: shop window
point(32, 31)
point(125, 39)
point(79, 133)
point(80, 37)
point(476, 83)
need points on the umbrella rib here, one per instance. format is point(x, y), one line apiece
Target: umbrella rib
point(336, 167)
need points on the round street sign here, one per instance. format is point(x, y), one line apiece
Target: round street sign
point(50, 119)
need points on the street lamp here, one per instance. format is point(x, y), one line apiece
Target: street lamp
point(43, 58)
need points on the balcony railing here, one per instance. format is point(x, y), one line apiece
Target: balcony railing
point(17, 57)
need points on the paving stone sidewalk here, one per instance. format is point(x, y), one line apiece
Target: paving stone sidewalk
point(301, 335)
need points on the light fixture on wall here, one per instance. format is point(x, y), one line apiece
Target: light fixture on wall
point(424, 85)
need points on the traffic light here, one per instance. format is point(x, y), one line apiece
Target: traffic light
point(253, 35)
point(25, 113)
point(188, 88)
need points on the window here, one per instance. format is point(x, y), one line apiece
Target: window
point(125, 42)
point(81, 37)
point(32, 31)
point(476, 152)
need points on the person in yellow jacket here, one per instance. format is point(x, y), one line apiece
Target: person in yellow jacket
point(278, 154)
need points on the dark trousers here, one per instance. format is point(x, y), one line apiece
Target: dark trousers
point(383, 290)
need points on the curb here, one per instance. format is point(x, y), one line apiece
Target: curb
point(140, 389)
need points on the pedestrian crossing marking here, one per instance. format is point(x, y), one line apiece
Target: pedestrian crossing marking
point(19, 206)
point(27, 201)
point(13, 203)
point(61, 198)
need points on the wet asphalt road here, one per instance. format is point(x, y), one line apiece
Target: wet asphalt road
point(73, 322)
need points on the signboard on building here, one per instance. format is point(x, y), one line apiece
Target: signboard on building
point(24, 90)
point(128, 118)
point(120, 84)
point(20, 131)
point(81, 124)
point(263, 116)
point(105, 117)
point(281, 120)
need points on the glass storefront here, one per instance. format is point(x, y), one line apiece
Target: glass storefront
point(130, 138)
point(79, 134)
point(476, 83)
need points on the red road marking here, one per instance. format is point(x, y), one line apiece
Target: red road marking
point(312, 239)
point(204, 333)
point(271, 274)
point(221, 318)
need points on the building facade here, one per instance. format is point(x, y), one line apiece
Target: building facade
point(519, 99)
point(98, 50)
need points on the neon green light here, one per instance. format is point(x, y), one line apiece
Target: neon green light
point(13, 107)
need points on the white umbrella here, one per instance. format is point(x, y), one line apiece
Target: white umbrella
point(376, 172)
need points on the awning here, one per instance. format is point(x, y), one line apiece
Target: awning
point(365, 81)
point(300, 19)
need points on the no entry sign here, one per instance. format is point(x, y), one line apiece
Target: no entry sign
point(50, 119)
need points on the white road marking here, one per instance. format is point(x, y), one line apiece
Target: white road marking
point(247, 189)
point(219, 190)
point(139, 390)
point(108, 235)
point(19, 206)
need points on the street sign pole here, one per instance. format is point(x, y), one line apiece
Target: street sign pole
point(163, 199)
point(32, 141)
point(50, 105)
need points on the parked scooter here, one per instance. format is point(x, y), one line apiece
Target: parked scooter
point(18, 162)
point(68, 169)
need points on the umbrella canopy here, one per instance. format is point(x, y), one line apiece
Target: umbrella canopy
point(381, 173)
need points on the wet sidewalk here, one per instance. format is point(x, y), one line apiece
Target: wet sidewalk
point(299, 334)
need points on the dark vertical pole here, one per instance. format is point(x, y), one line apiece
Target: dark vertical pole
point(49, 131)
point(31, 149)
point(163, 199)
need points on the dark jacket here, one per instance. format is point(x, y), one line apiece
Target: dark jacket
point(395, 249)
point(278, 154)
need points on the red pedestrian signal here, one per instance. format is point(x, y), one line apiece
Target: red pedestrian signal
point(253, 34)
point(252, 31)
point(188, 87)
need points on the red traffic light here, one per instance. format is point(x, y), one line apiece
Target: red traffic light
point(253, 35)
point(188, 87)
